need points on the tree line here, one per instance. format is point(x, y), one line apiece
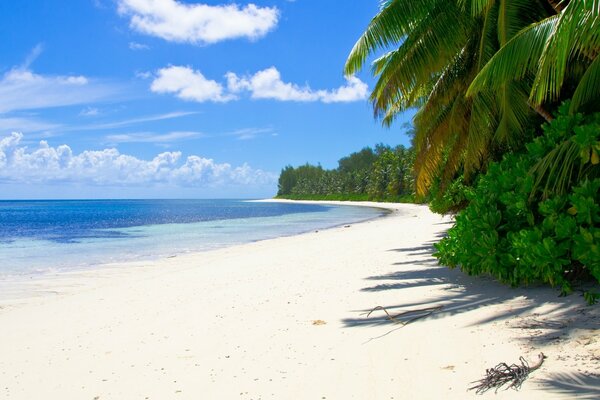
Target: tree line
point(382, 174)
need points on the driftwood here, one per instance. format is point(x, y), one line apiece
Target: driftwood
point(502, 374)
point(421, 313)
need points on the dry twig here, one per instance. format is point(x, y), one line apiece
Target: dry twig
point(421, 313)
point(502, 374)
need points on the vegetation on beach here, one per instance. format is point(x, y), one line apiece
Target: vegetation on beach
point(525, 225)
point(381, 174)
point(483, 77)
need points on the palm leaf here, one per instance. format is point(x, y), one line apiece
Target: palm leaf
point(577, 32)
point(394, 22)
point(518, 57)
point(557, 169)
point(588, 88)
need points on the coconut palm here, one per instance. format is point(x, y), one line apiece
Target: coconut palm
point(437, 49)
point(561, 53)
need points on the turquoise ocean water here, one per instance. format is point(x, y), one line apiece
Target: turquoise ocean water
point(38, 237)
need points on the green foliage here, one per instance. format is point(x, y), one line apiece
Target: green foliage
point(521, 232)
point(383, 174)
point(391, 173)
point(358, 161)
point(558, 51)
point(287, 180)
point(591, 297)
point(348, 197)
point(432, 51)
point(449, 199)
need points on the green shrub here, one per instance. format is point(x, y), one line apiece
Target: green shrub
point(450, 199)
point(531, 220)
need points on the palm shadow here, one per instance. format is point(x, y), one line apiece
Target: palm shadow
point(573, 385)
point(462, 293)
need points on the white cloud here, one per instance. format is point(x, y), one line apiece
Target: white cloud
point(267, 84)
point(198, 23)
point(28, 124)
point(149, 137)
point(22, 89)
point(354, 90)
point(251, 133)
point(109, 167)
point(32, 56)
point(138, 46)
point(143, 75)
point(132, 121)
point(188, 84)
point(89, 112)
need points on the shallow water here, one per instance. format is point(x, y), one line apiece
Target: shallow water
point(37, 237)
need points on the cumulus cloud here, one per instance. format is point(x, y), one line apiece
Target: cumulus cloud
point(189, 84)
point(198, 23)
point(47, 164)
point(267, 84)
point(354, 90)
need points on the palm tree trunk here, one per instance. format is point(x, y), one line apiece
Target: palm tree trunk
point(538, 108)
point(558, 5)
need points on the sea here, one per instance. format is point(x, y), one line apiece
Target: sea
point(49, 236)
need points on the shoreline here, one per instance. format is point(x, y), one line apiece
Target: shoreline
point(19, 287)
point(285, 318)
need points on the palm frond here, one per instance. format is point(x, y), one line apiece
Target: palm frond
point(514, 15)
point(518, 57)
point(390, 26)
point(588, 88)
point(577, 31)
point(419, 57)
point(488, 45)
point(430, 140)
point(481, 129)
point(515, 114)
point(557, 169)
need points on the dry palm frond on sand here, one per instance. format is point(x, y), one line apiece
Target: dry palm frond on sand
point(503, 374)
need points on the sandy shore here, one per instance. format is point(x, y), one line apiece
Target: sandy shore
point(285, 319)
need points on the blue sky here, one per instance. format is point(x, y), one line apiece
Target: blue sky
point(173, 98)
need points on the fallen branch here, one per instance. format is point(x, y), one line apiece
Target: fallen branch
point(423, 312)
point(503, 374)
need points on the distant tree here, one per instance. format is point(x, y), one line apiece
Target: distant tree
point(287, 180)
point(358, 161)
point(381, 173)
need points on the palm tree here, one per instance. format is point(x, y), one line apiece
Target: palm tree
point(437, 49)
point(560, 53)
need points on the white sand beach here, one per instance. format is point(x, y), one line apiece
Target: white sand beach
point(286, 319)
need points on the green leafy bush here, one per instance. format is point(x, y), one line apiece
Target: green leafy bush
point(529, 218)
point(450, 199)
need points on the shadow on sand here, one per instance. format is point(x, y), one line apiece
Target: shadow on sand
point(573, 385)
point(461, 293)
